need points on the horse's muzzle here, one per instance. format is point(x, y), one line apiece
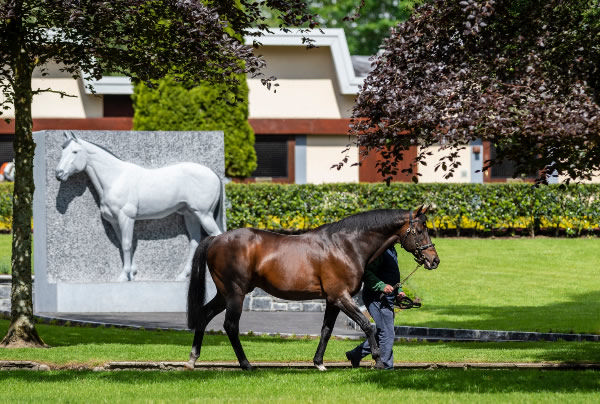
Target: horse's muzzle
point(60, 175)
point(433, 264)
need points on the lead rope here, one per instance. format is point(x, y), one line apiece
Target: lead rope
point(399, 284)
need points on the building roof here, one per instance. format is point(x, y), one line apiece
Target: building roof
point(334, 38)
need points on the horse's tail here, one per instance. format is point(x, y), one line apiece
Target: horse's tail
point(197, 288)
point(220, 209)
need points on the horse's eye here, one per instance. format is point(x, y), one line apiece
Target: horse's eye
point(75, 151)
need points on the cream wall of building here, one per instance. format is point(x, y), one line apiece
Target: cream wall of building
point(295, 67)
point(51, 105)
point(462, 173)
point(322, 152)
point(595, 179)
point(304, 98)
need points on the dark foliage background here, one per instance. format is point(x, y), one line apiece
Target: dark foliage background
point(365, 28)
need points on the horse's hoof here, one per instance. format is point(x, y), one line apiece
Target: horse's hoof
point(379, 365)
point(321, 367)
point(189, 365)
point(182, 277)
point(247, 366)
point(123, 278)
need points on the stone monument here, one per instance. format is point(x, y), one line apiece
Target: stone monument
point(126, 251)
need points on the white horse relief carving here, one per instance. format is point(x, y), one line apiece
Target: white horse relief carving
point(128, 192)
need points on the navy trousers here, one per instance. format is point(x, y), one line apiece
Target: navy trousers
point(382, 312)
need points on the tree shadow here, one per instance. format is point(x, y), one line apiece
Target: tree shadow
point(582, 308)
point(482, 381)
point(473, 381)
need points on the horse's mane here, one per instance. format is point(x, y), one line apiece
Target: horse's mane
point(379, 219)
point(103, 148)
point(66, 143)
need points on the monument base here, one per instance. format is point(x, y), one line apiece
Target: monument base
point(115, 297)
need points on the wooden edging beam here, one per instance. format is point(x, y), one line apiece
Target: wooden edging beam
point(164, 366)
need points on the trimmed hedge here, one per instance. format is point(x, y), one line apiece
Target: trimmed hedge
point(6, 192)
point(458, 209)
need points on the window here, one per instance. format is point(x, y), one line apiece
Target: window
point(506, 169)
point(271, 156)
point(6, 148)
point(117, 105)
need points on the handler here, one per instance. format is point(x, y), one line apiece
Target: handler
point(379, 278)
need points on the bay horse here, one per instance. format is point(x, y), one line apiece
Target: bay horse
point(324, 263)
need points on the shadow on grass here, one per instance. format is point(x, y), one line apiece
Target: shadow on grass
point(581, 314)
point(441, 380)
point(542, 351)
point(62, 336)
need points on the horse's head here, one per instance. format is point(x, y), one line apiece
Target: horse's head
point(414, 238)
point(73, 158)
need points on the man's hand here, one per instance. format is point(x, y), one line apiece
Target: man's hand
point(388, 289)
point(401, 294)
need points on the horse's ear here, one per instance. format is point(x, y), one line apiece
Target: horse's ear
point(74, 137)
point(419, 211)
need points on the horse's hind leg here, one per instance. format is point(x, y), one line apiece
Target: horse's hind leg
point(192, 225)
point(209, 224)
point(331, 313)
point(347, 305)
point(232, 327)
point(212, 308)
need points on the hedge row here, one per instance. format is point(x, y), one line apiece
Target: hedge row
point(457, 209)
point(6, 191)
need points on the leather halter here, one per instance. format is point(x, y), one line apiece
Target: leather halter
point(413, 231)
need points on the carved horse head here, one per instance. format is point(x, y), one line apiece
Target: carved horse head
point(73, 158)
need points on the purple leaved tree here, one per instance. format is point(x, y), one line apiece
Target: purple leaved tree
point(523, 75)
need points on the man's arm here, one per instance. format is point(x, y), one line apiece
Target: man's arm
point(372, 282)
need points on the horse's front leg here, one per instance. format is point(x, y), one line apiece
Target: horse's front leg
point(331, 313)
point(126, 225)
point(347, 305)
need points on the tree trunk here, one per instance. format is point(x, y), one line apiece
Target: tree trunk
point(22, 330)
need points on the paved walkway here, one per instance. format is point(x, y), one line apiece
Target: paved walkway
point(265, 322)
point(306, 323)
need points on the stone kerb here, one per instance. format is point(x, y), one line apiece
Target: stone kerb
point(78, 257)
point(259, 300)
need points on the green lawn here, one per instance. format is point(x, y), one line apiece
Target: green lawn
point(72, 346)
point(292, 386)
point(95, 346)
point(5, 252)
point(542, 284)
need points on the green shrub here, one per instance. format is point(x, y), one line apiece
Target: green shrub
point(207, 107)
point(458, 209)
point(6, 192)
